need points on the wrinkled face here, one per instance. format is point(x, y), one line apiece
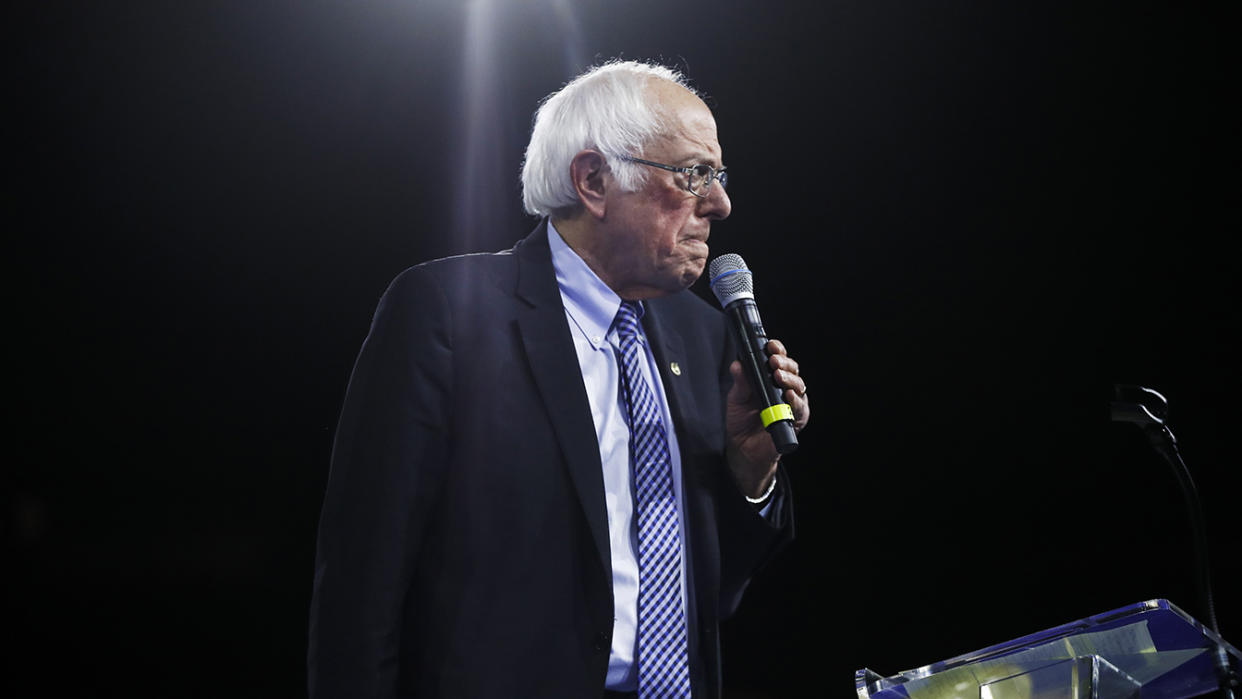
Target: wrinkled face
point(658, 235)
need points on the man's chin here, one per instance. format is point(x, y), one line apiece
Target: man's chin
point(694, 270)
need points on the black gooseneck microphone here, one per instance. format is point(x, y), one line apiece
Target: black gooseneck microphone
point(733, 286)
point(1149, 410)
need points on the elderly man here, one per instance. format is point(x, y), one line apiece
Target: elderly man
point(549, 478)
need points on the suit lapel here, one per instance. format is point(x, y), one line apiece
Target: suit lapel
point(670, 357)
point(553, 362)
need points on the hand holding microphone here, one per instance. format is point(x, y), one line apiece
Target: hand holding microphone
point(767, 368)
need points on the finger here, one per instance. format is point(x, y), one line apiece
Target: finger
point(801, 406)
point(775, 347)
point(789, 380)
point(783, 362)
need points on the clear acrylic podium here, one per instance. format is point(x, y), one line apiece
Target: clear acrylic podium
point(1149, 650)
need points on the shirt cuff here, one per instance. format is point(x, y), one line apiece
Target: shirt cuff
point(763, 503)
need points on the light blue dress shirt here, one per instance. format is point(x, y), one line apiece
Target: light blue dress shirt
point(591, 306)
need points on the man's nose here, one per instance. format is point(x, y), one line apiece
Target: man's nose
point(716, 205)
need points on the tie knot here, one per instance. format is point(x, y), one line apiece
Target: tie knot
point(627, 322)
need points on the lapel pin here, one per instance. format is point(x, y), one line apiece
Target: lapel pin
point(676, 368)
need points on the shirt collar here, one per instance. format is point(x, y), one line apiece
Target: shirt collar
point(588, 300)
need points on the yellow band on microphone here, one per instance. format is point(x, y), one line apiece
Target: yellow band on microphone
point(780, 411)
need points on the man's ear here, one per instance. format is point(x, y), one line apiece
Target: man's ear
point(587, 172)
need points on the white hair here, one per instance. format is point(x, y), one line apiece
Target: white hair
point(608, 109)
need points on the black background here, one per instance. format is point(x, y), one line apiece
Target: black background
point(967, 220)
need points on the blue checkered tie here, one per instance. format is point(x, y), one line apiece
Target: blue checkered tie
point(663, 665)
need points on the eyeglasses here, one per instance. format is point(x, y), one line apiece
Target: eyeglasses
point(699, 177)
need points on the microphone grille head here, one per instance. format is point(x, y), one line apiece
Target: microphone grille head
point(731, 279)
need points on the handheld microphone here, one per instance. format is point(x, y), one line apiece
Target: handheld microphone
point(733, 286)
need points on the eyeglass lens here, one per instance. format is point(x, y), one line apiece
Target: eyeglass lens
point(701, 178)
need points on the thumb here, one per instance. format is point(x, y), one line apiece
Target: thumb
point(740, 393)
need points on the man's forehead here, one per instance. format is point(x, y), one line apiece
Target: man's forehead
point(691, 140)
point(691, 132)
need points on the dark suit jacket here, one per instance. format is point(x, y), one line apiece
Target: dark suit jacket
point(463, 546)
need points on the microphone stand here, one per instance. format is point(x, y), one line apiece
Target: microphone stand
point(1148, 409)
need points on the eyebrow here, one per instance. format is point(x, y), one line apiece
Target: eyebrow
point(699, 159)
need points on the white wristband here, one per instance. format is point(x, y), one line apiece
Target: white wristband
point(762, 498)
